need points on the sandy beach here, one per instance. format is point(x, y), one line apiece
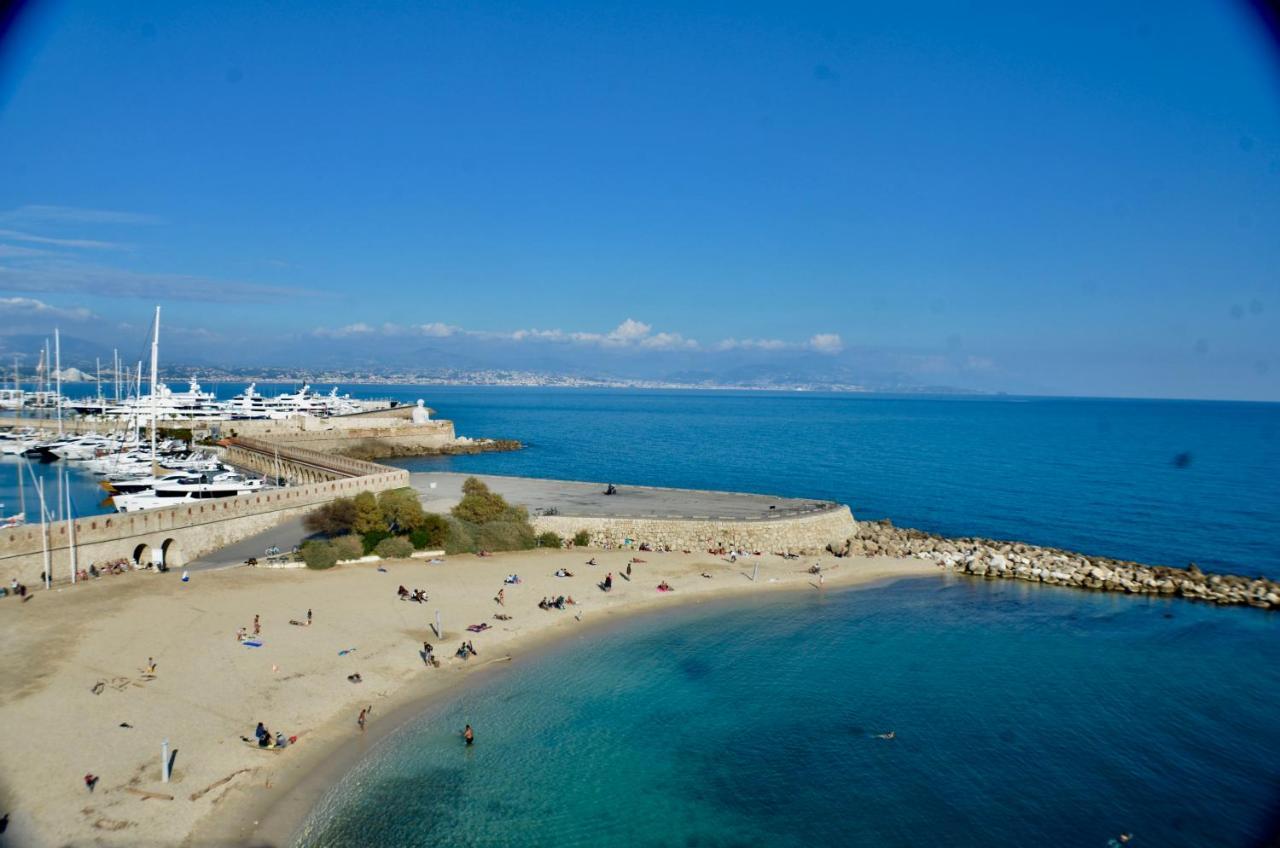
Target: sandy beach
point(209, 690)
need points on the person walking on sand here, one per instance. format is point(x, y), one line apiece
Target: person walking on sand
point(469, 735)
point(501, 598)
point(364, 717)
point(257, 625)
point(308, 617)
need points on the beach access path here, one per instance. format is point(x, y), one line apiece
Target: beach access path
point(73, 691)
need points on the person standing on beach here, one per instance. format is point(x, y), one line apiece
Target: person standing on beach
point(257, 625)
point(501, 598)
point(364, 717)
point(469, 735)
point(308, 616)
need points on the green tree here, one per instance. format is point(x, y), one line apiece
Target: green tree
point(549, 540)
point(396, 547)
point(432, 532)
point(319, 555)
point(368, 518)
point(332, 519)
point(460, 538)
point(402, 510)
point(479, 505)
point(505, 536)
point(371, 539)
point(348, 547)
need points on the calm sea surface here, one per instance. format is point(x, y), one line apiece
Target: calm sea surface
point(1023, 715)
point(1164, 482)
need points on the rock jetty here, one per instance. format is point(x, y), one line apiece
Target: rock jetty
point(993, 559)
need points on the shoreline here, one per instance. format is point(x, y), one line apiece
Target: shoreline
point(279, 822)
point(72, 658)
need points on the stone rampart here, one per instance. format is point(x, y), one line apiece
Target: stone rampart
point(797, 534)
point(174, 534)
point(340, 434)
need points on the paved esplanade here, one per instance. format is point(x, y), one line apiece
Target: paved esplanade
point(573, 498)
point(566, 497)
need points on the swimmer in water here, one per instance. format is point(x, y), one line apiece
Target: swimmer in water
point(469, 735)
point(889, 735)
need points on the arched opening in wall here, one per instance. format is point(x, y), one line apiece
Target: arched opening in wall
point(142, 554)
point(170, 554)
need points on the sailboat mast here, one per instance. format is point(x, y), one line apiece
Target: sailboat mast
point(155, 363)
point(57, 373)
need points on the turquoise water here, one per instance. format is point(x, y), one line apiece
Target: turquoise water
point(1023, 715)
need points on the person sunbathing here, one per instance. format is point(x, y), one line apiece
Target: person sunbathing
point(355, 678)
point(592, 561)
point(664, 587)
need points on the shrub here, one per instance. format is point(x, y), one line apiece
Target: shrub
point(371, 539)
point(319, 555)
point(368, 518)
point(397, 547)
point(582, 538)
point(401, 509)
point(332, 519)
point(460, 538)
point(549, 540)
point(348, 547)
point(478, 504)
point(505, 536)
point(432, 533)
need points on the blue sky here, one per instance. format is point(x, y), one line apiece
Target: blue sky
point(1078, 198)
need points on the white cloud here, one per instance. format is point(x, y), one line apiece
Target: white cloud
point(754, 344)
point(826, 343)
point(29, 307)
point(14, 251)
point(631, 333)
point(357, 329)
point(61, 276)
point(668, 341)
point(90, 244)
point(436, 329)
point(630, 330)
point(74, 215)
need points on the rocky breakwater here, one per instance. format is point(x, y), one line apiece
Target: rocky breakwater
point(993, 559)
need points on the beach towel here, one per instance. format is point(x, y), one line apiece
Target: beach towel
point(251, 643)
point(478, 628)
point(345, 651)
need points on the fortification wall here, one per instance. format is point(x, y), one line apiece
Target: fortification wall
point(181, 533)
point(801, 534)
point(344, 434)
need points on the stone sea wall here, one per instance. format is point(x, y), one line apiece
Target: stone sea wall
point(803, 534)
point(993, 559)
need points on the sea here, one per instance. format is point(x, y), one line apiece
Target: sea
point(1021, 714)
